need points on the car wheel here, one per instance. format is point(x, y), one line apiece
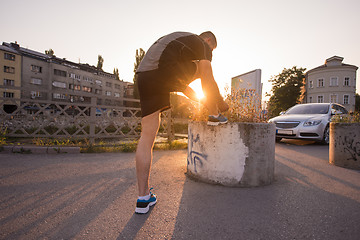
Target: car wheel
point(278, 139)
point(326, 137)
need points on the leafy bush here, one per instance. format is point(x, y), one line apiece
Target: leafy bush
point(350, 118)
point(2, 136)
point(244, 106)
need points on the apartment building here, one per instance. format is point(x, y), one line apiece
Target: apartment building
point(333, 82)
point(10, 77)
point(47, 77)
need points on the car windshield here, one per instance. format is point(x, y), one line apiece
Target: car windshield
point(309, 109)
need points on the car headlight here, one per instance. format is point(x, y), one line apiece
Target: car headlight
point(312, 123)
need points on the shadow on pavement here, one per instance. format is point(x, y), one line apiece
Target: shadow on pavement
point(300, 204)
point(134, 225)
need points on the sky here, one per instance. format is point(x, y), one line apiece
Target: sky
point(251, 34)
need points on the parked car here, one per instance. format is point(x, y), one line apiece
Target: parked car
point(308, 121)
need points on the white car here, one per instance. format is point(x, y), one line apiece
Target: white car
point(308, 121)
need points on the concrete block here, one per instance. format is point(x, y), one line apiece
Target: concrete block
point(344, 146)
point(233, 154)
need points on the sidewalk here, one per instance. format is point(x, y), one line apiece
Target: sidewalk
point(92, 196)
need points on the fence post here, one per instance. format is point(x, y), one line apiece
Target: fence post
point(170, 127)
point(92, 120)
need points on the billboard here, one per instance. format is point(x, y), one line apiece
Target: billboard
point(250, 81)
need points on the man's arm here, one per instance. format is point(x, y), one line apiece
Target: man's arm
point(209, 86)
point(190, 93)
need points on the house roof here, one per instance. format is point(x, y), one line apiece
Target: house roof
point(327, 65)
point(5, 48)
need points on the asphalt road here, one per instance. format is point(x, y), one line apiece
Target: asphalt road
point(92, 196)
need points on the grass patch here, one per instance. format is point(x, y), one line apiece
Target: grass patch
point(174, 145)
point(2, 135)
point(102, 147)
point(131, 147)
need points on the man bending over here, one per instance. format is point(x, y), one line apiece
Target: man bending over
point(170, 65)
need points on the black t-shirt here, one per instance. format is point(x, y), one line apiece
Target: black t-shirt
point(175, 50)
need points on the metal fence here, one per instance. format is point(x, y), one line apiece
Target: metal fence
point(50, 119)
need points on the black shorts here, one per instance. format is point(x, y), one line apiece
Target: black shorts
point(155, 86)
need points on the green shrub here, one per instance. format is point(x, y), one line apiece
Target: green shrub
point(350, 118)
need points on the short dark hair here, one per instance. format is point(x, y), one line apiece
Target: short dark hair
point(210, 35)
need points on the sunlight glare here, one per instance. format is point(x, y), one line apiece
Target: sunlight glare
point(196, 86)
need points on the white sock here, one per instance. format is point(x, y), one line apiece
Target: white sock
point(146, 197)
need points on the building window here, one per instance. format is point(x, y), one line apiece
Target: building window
point(59, 96)
point(36, 81)
point(333, 98)
point(333, 81)
point(9, 69)
point(75, 87)
point(59, 73)
point(117, 94)
point(97, 91)
point(311, 84)
point(98, 82)
point(320, 99)
point(88, 79)
point(36, 69)
point(75, 76)
point(310, 99)
point(59, 84)
point(9, 56)
point(87, 89)
point(8, 82)
point(108, 84)
point(117, 86)
point(8, 95)
point(320, 82)
point(346, 81)
point(35, 94)
point(346, 99)
point(107, 93)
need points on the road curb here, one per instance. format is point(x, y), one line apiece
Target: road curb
point(39, 149)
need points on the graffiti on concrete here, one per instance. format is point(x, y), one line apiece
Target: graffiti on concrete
point(351, 147)
point(195, 158)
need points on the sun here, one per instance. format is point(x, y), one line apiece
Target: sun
point(196, 86)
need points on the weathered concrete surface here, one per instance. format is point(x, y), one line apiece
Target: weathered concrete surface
point(233, 154)
point(92, 196)
point(344, 146)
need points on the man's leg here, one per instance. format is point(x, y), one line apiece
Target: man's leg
point(150, 126)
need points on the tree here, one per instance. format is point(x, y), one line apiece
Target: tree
point(100, 63)
point(50, 52)
point(140, 53)
point(357, 103)
point(116, 73)
point(286, 90)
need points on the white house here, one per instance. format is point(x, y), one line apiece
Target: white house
point(332, 82)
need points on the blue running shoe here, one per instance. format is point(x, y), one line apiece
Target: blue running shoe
point(143, 206)
point(214, 121)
